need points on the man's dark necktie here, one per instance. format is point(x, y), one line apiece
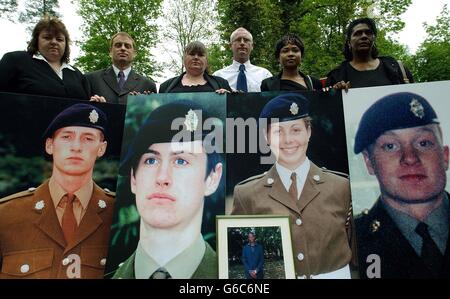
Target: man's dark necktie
point(431, 255)
point(121, 79)
point(160, 273)
point(293, 188)
point(242, 79)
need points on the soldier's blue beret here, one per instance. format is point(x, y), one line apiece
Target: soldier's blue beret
point(80, 115)
point(286, 107)
point(394, 111)
point(157, 128)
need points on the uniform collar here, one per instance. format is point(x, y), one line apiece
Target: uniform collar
point(301, 171)
point(237, 64)
point(437, 221)
point(182, 266)
point(83, 194)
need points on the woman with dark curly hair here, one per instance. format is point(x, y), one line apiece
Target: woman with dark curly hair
point(43, 69)
point(289, 51)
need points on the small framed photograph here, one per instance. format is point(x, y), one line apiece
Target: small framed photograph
point(254, 247)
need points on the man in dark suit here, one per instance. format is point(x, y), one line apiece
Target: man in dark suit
point(253, 258)
point(405, 234)
point(113, 84)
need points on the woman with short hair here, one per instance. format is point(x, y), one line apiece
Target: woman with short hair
point(196, 77)
point(44, 68)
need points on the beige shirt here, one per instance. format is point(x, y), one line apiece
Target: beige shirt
point(83, 195)
point(182, 266)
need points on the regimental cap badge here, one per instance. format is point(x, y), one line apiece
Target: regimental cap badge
point(417, 108)
point(93, 116)
point(294, 109)
point(101, 204)
point(39, 205)
point(191, 121)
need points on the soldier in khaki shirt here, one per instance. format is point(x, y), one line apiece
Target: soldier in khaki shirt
point(316, 200)
point(170, 181)
point(61, 229)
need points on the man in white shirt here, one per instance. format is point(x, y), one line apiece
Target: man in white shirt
point(241, 74)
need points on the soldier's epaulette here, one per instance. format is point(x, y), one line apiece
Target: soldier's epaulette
point(343, 174)
point(109, 192)
point(18, 195)
point(258, 176)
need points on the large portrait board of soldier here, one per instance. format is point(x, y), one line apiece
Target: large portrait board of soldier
point(170, 187)
point(58, 165)
point(397, 142)
point(293, 163)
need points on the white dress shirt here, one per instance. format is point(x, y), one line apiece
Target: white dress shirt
point(254, 74)
point(126, 72)
point(302, 174)
point(64, 65)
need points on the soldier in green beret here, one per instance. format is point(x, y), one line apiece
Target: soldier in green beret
point(170, 180)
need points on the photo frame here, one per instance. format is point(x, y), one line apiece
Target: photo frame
point(283, 255)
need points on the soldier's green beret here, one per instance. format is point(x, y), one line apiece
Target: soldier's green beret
point(82, 115)
point(158, 128)
point(286, 107)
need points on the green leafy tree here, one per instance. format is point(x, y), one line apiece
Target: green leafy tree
point(104, 18)
point(36, 9)
point(432, 60)
point(8, 9)
point(320, 23)
point(183, 24)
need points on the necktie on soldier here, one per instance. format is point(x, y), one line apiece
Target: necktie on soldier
point(431, 255)
point(160, 273)
point(121, 77)
point(293, 188)
point(242, 79)
point(69, 223)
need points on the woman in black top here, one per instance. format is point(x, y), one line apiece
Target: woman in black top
point(43, 69)
point(196, 77)
point(289, 52)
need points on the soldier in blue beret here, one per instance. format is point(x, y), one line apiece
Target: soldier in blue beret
point(61, 228)
point(405, 234)
point(317, 200)
point(170, 178)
